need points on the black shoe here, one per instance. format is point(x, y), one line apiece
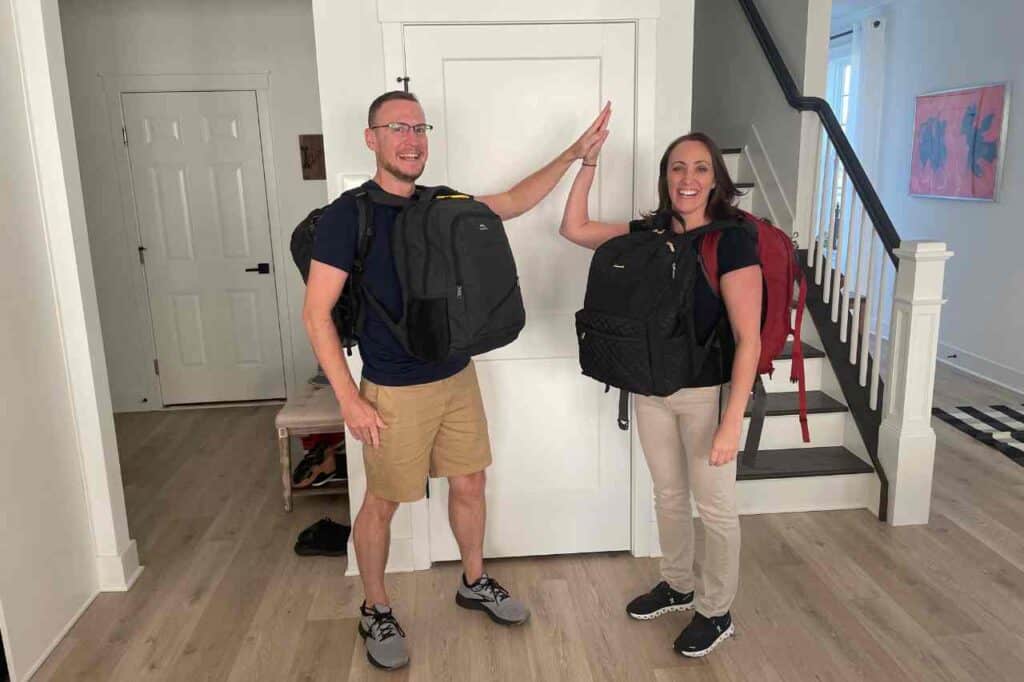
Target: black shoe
point(659, 601)
point(319, 379)
point(703, 634)
point(323, 538)
point(316, 468)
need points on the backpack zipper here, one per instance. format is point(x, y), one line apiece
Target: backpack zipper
point(455, 252)
point(426, 243)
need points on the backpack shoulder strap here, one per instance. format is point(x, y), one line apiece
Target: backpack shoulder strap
point(709, 260)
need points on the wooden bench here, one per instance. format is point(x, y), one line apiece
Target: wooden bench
point(314, 410)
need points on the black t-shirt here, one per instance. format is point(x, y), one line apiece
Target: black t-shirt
point(385, 361)
point(737, 248)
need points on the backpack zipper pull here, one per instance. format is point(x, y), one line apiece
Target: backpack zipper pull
point(673, 270)
point(458, 291)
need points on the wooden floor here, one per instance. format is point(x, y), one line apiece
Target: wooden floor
point(824, 596)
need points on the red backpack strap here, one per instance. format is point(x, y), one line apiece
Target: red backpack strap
point(797, 373)
point(709, 260)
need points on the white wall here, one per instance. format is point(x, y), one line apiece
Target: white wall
point(734, 88)
point(185, 37)
point(47, 567)
point(733, 85)
point(981, 322)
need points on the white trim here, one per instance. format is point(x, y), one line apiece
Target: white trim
point(115, 86)
point(645, 196)
point(57, 640)
point(473, 11)
point(118, 572)
point(982, 368)
point(771, 169)
point(185, 82)
point(5, 643)
point(771, 189)
point(48, 107)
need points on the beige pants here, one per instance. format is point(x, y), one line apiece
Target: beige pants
point(676, 434)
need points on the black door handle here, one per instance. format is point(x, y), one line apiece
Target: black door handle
point(262, 268)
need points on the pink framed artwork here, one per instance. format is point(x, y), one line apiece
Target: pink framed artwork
point(959, 137)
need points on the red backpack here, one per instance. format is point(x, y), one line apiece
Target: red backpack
point(781, 273)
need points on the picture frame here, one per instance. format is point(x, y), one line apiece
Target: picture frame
point(959, 142)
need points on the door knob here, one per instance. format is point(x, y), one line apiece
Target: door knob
point(261, 268)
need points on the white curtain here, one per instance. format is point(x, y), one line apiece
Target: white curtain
point(867, 91)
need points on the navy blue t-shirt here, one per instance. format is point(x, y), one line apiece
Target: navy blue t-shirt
point(385, 361)
point(737, 248)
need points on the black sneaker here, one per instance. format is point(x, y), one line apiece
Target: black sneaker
point(659, 601)
point(703, 634)
point(323, 538)
point(316, 468)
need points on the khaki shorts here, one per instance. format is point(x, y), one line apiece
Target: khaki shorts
point(437, 429)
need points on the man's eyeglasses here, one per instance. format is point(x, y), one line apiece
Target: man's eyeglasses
point(400, 128)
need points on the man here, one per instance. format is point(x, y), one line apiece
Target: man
point(414, 418)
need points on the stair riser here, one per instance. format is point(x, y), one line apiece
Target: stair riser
point(784, 431)
point(779, 383)
point(732, 164)
point(814, 493)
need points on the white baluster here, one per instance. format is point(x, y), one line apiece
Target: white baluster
point(826, 212)
point(876, 369)
point(857, 279)
point(856, 219)
point(842, 242)
point(837, 169)
point(906, 441)
point(869, 307)
point(815, 225)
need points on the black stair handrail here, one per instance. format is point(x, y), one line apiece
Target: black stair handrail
point(861, 183)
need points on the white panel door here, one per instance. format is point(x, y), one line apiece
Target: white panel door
point(201, 202)
point(505, 99)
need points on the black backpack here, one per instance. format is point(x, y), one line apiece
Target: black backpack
point(345, 312)
point(636, 329)
point(458, 277)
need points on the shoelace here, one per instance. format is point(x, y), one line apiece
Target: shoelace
point(384, 626)
point(489, 584)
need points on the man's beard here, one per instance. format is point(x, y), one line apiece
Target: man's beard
point(400, 174)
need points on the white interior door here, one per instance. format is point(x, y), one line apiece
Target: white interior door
point(505, 99)
point(201, 201)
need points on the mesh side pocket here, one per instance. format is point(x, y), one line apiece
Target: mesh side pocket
point(429, 336)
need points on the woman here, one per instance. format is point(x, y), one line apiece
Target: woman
point(689, 440)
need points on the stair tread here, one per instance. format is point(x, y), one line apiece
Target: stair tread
point(744, 185)
point(732, 150)
point(809, 351)
point(818, 402)
point(800, 462)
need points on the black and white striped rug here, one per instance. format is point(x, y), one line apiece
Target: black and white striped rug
point(999, 426)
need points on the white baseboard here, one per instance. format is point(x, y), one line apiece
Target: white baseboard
point(117, 573)
point(56, 641)
point(982, 368)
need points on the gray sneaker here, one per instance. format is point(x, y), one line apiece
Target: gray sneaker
point(488, 596)
point(384, 637)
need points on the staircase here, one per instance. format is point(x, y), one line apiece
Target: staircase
point(834, 470)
